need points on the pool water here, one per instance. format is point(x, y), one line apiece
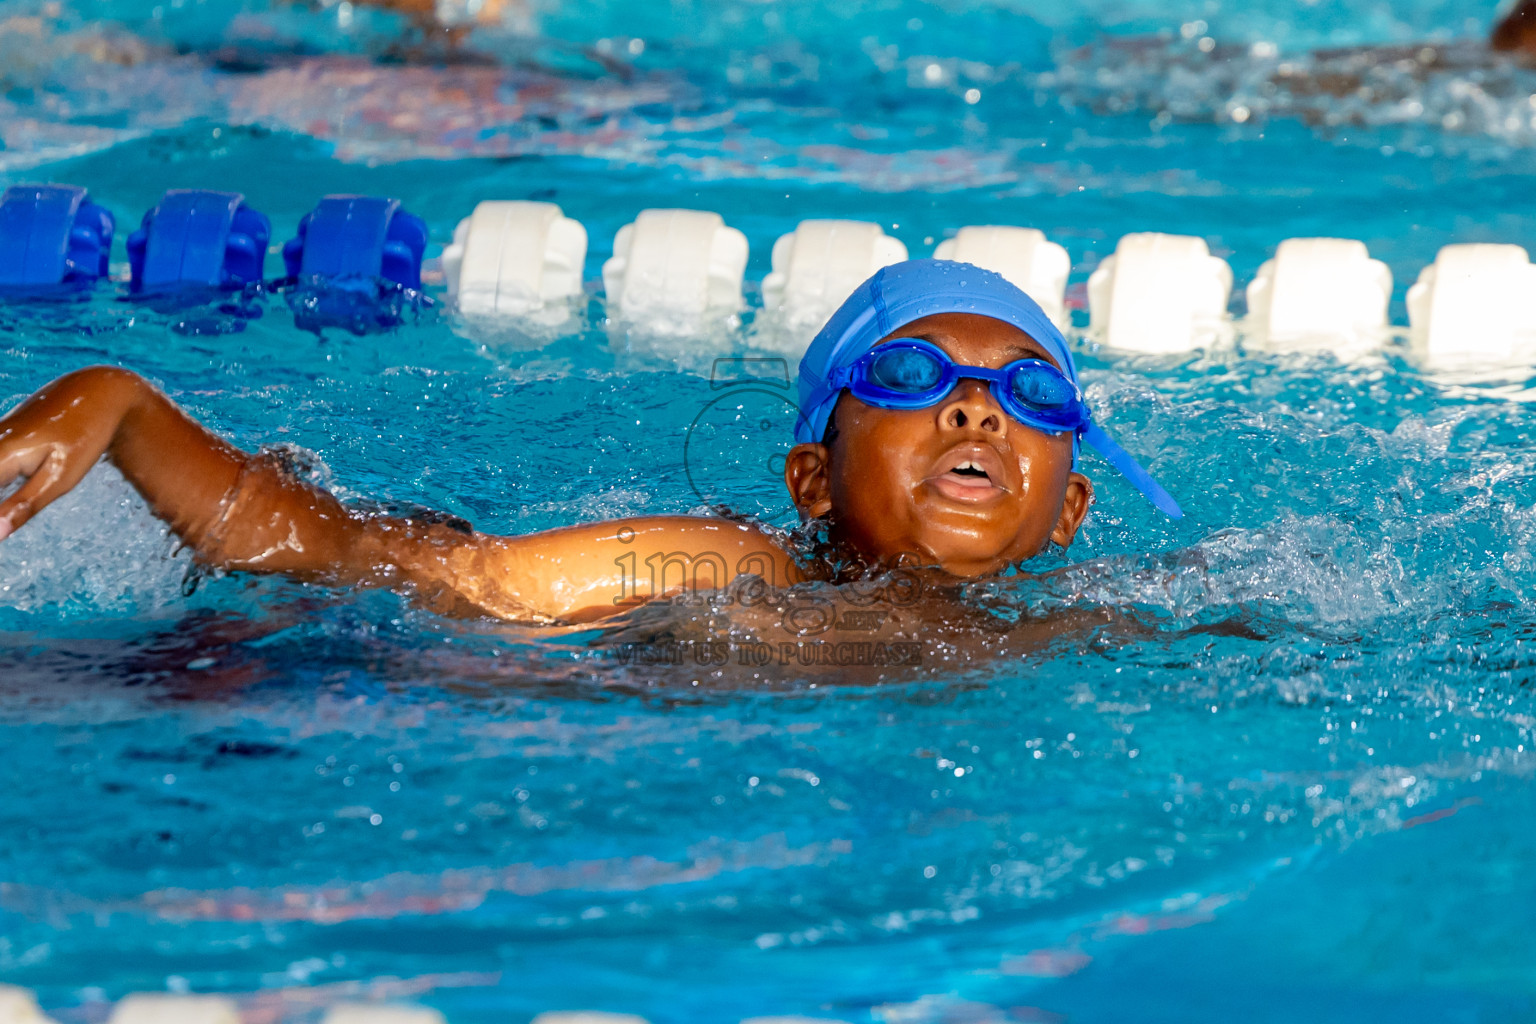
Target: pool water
point(1288, 778)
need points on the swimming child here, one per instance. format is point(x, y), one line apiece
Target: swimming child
point(940, 429)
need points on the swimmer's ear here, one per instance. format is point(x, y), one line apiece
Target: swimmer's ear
point(806, 476)
point(1074, 509)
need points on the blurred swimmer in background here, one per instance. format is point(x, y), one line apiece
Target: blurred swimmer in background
point(443, 79)
point(1463, 85)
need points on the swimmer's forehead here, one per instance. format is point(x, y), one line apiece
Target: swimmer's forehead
point(974, 340)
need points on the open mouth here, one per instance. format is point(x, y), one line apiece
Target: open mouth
point(969, 473)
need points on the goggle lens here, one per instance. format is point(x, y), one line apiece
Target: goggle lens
point(1038, 385)
point(907, 371)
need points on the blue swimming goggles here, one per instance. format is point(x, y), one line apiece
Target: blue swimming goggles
point(910, 373)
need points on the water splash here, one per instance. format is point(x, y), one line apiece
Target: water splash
point(1421, 95)
point(96, 551)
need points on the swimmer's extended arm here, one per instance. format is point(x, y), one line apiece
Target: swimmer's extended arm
point(246, 512)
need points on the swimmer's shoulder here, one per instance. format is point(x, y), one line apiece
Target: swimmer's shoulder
point(700, 536)
point(741, 546)
point(583, 572)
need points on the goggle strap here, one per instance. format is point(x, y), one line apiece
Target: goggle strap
point(1131, 470)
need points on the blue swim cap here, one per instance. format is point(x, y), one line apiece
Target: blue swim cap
point(903, 292)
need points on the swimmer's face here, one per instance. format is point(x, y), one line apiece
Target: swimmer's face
point(961, 484)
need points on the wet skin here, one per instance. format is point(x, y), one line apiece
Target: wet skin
point(892, 483)
point(1516, 33)
point(890, 479)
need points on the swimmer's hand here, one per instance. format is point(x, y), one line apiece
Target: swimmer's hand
point(250, 513)
point(56, 436)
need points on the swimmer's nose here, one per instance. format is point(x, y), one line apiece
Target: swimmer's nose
point(971, 406)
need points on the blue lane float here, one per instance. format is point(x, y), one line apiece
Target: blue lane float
point(52, 239)
point(356, 264)
point(350, 237)
point(203, 252)
point(197, 239)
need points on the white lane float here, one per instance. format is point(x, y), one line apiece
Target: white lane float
point(1476, 304)
point(1320, 293)
point(518, 259)
point(19, 1006)
point(171, 1008)
point(818, 265)
point(1159, 294)
point(382, 1013)
point(1021, 255)
point(674, 270)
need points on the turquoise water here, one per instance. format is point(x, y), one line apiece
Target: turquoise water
point(1290, 779)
